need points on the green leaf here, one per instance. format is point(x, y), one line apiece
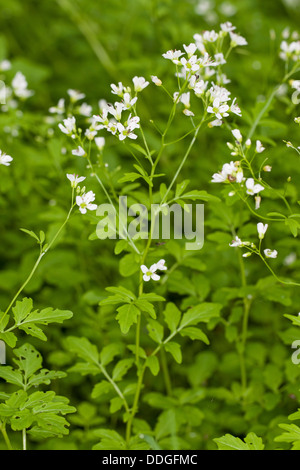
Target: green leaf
point(127, 316)
point(110, 440)
point(175, 350)
point(11, 376)
point(293, 226)
point(145, 306)
point(108, 353)
point(121, 369)
point(22, 310)
point(156, 331)
point(172, 316)
point(200, 313)
point(229, 442)
point(116, 404)
point(128, 265)
point(199, 195)
point(29, 360)
point(153, 364)
point(195, 333)
point(254, 442)
point(151, 297)
point(129, 177)
point(83, 348)
point(31, 234)
point(101, 388)
point(9, 338)
point(181, 187)
point(125, 294)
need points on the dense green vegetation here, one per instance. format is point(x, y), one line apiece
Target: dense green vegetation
point(98, 356)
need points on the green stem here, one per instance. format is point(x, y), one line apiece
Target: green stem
point(24, 439)
point(165, 370)
point(5, 437)
point(111, 381)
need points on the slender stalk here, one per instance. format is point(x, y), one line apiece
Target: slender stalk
point(24, 439)
point(5, 437)
point(165, 370)
point(111, 381)
point(183, 161)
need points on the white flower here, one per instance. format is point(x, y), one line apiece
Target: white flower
point(190, 65)
point(188, 112)
point(117, 89)
point(84, 202)
point(20, 85)
point(100, 142)
point(210, 36)
point(150, 273)
point(248, 143)
point(227, 27)
point(133, 122)
point(237, 135)
point(75, 95)
point(125, 132)
point(173, 56)
point(79, 152)
point(238, 242)
point(261, 230)
point(161, 265)
point(191, 49)
point(75, 180)
point(85, 110)
point(69, 126)
point(220, 59)
point(59, 109)
point(215, 123)
point(270, 253)
point(237, 40)
point(5, 159)
point(156, 80)
point(5, 65)
point(218, 109)
point(230, 172)
point(139, 84)
point(253, 188)
point(185, 99)
point(259, 147)
point(235, 109)
point(116, 111)
point(128, 101)
point(90, 133)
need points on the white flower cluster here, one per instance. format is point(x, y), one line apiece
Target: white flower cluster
point(290, 47)
point(83, 200)
point(17, 91)
point(199, 70)
point(261, 230)
point(233, 172)
point(150, 273)
point(117, 124)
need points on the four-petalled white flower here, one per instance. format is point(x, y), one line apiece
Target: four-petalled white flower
point(150, 273)
point(84, 202)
